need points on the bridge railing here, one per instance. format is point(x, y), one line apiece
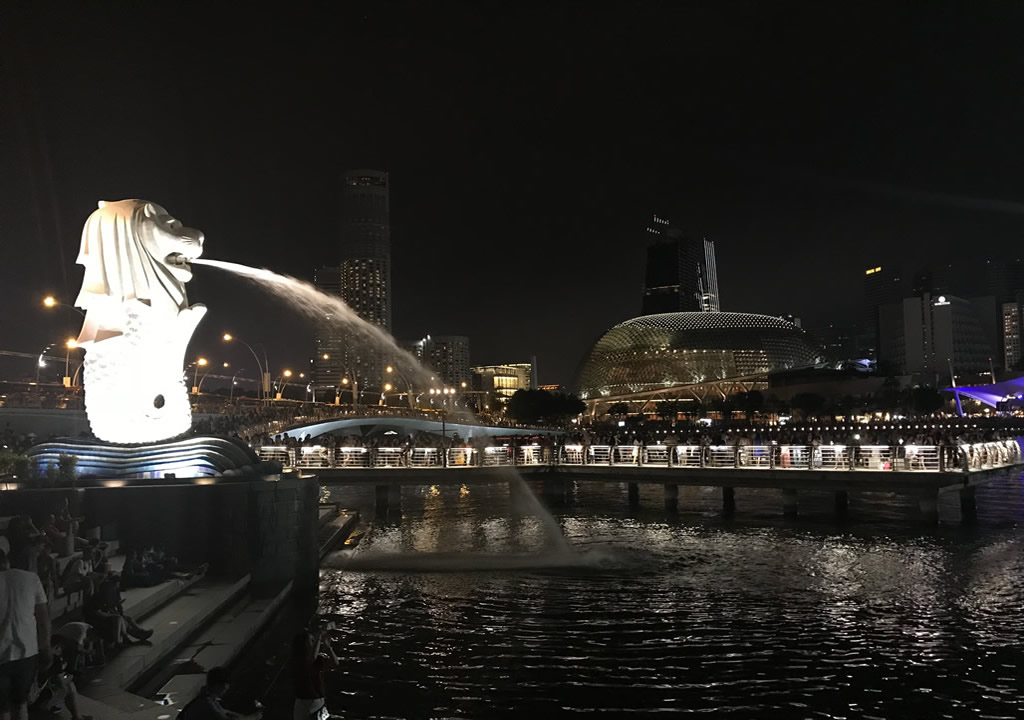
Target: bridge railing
point(837, 458)
point(983, 456)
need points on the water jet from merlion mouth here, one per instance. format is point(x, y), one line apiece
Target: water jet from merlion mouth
point(325, 309)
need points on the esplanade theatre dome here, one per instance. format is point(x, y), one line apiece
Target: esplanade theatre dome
point(655, 352)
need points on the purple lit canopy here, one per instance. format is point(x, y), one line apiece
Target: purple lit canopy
point(994, 393)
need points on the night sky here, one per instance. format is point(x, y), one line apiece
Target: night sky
point(527, 145)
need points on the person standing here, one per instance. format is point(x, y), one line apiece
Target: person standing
point(24, 637)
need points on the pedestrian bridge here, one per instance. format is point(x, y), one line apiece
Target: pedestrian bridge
point(707, 458)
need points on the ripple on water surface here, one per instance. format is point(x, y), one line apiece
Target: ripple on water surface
point(753, 618)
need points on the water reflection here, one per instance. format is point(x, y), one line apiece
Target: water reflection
point(754, 617)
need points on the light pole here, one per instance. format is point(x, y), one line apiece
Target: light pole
point(231, 396)
point(71, 344)
point(51, 302)
point(203, 378)
point(195, 377)
point(285, 375)
point(260, 389)
point(41, 362)
point(408, 385)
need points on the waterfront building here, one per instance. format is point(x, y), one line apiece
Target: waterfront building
point(505, 379)
point(681, 274)
point(691, 356)
point(923, 336)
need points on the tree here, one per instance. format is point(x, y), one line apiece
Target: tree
point(619, 409)
point(725, 406)
point(926, 400)
point(750, 402)
point(808, 403)
point(670, 409)
point(532, 406)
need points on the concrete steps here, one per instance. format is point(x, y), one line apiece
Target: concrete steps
point(173, 620)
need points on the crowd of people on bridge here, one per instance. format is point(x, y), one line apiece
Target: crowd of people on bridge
point(887, 436)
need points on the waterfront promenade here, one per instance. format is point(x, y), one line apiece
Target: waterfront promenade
point(919, 471)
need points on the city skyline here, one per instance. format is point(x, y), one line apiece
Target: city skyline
point(804, 172)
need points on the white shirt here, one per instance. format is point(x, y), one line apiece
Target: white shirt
point(20, 592)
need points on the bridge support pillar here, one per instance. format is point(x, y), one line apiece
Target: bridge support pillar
point(634, 494)
point(842, 503)
point(789, 502)
point(671, 497)
point(388, 499)
point(929, 504)
point(968, 504)
point(728, 500)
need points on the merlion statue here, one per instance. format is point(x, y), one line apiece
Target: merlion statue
point(138, 322)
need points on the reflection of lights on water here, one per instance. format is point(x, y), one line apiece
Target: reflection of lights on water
point(434, 491)
point(463, 491)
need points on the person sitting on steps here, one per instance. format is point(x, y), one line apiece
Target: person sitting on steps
point(207, 704)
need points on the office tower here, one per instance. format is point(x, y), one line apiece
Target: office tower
point(923, 336)
point(1013, 333)
point(446, 355)
point(365, 268)
point(681, 273)
point(449, 358)
point(329, 358)
point(882, 286)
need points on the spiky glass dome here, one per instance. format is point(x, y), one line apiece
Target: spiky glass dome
point(661, 351)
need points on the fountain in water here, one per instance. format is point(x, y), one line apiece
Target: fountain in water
point(329, 310)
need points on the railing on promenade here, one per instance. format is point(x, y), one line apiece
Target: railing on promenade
point(835, 458)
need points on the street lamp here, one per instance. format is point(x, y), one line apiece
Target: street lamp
point(408, 385)
point(285, 375)
point(231, 396)
point(51, 302)
point(261, 386)
point(195, 377)
point(71, 344)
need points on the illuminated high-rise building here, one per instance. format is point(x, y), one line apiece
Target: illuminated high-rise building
point(365, 268)
point(681, 273)
point(329, 360)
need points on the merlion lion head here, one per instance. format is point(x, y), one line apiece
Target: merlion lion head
point(135, 250)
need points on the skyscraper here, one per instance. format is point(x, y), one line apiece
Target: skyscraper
point(681, 273)
point(446, 355)
point(882, 286)
point(329, 360)
point(365, 269)
point(366, 246)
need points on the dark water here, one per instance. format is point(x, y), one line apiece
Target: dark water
point(755, 617)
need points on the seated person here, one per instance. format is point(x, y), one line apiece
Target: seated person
point(81, 645)
point(105, 612)
point(207, 704)
point(56, 684)
point(64, 542)
point(137, 572)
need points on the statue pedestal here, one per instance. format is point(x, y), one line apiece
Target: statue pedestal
point(190, 457)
